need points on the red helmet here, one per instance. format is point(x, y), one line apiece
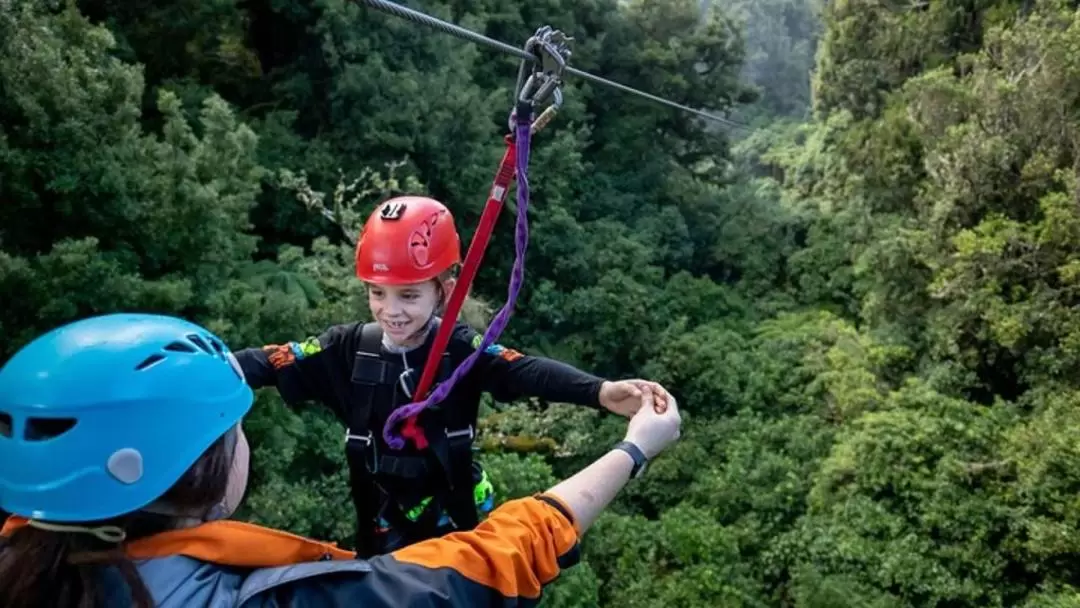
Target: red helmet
point(408, 239)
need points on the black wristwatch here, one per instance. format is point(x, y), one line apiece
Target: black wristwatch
point(640, 461)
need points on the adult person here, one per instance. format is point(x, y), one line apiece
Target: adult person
point(123, 456)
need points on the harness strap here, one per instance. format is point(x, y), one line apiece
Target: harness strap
point(370, 375)
point(376, 379)
point(387, 484)
point(461, 505)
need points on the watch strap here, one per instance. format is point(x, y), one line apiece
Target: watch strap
point(640, 460)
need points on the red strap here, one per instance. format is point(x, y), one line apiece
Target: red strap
point(412, 432)
point(499, 188)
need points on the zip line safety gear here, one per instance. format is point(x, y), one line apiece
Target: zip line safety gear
point(408, 239)
point(107, 413)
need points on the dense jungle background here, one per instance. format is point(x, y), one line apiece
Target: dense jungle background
point(866, 303)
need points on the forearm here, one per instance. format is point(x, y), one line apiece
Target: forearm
point(554, 381)
point(256, 367)
point(277, 365)
point(591, 490)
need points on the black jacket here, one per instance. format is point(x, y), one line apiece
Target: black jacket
point(321, 369)
point(347, 369)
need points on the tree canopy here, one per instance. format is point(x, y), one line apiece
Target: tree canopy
point(867, 303)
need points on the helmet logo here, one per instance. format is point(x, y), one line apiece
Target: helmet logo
point(392, 211)
point(420, 241)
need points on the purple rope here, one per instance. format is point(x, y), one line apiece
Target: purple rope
point(522, 139)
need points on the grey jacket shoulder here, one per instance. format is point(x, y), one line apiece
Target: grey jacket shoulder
point(182, 582)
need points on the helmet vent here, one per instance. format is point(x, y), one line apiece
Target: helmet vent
point(200, 343)
point(218, 346)
point(180, 347)
point(5, 425)
point(42, 429)
point(149, 361)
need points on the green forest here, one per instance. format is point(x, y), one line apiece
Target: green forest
point(867, 302)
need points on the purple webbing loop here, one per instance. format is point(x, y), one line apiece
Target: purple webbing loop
point(522, 141)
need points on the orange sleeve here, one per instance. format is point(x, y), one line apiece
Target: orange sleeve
point(522, 546)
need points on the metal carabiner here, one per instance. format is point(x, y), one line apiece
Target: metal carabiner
point(551, 48)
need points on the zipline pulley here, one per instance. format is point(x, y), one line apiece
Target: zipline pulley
point(539, 80)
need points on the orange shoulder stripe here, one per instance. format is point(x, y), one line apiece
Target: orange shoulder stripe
point(515, 551)
point(225, 542)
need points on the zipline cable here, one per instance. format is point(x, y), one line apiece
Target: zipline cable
point(456, 30)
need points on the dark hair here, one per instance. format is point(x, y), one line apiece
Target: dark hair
point(77, 570)
point(474, 312)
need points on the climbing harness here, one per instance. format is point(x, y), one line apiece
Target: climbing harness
point(465, 34)
point(406, 495)
point(543, 82)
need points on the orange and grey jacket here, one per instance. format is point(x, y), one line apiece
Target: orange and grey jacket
point(505, 561)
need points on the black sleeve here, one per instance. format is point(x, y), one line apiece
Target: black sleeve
point(509, 374)
point(307, 370)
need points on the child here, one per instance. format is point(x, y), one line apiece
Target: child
point(407, 254)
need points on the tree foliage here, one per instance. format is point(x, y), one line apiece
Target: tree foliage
point(866, 306)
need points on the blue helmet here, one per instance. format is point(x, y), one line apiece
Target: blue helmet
point(101, 417)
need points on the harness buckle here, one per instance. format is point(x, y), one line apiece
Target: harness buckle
point(466, 434)
point(365, 439)
point(407, 382)
point(362, 447)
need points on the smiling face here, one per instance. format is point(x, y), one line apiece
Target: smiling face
point(403, 310)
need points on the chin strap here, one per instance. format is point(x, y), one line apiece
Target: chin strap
point(109, 534)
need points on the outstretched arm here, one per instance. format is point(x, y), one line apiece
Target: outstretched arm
point(541, 377)
point(651, 429)
point(524, 375)
point(509, 374)
point(301, 370)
